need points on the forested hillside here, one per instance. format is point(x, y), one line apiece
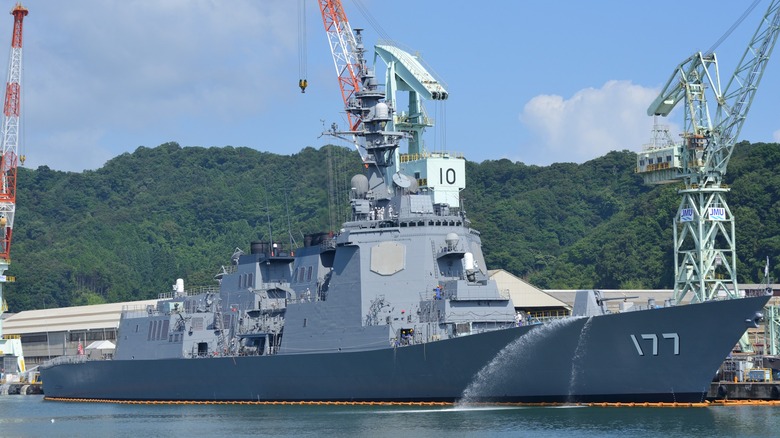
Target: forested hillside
point(128, 230)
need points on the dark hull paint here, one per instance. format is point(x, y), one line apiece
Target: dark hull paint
point(579, 360)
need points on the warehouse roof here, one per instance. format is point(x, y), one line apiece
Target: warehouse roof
point(524, 294)
point(98, 316)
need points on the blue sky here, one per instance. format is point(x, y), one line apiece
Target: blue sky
point(535, 81)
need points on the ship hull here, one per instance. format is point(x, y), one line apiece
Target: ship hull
point(659, 355)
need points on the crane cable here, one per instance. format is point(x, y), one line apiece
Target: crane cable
point(372, 21)
point(733, 26)
point(303, 82)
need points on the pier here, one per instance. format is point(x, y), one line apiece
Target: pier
point(744, 391)
point(21, 388)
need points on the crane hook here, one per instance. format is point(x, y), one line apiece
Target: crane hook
point(303, 83)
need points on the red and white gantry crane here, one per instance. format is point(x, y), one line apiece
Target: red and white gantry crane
point(8, 164)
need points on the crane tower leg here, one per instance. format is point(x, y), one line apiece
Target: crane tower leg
point(705, 253)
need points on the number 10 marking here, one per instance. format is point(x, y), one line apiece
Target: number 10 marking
point(449, 176)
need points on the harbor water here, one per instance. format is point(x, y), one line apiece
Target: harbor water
point(31, 416)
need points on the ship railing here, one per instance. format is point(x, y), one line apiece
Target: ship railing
point(229, 269)
point(425, 155)
point(503, 294)
point(545, 317)
point(490, 326)
point(79, 358)
point(328, 244)
point(189, 293)
point(138, 311)
point(472, 296)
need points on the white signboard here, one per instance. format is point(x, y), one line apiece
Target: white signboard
point(717, 213)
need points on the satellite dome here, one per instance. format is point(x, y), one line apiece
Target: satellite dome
point(360, 185)
point(382, 111)
point(452, 240)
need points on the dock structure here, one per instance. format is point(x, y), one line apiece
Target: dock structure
point(744, 391)
point(21, 388)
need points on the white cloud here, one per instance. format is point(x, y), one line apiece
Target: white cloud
point(588, 125)
point(127, 73)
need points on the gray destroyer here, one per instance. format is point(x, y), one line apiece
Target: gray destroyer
point(396, 306)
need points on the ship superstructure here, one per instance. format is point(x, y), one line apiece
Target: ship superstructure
point(366, 278)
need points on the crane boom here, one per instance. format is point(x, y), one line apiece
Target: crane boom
point(10, 130)
point(746, 77)
point(344, 48)
point(674, 90)
point(406, 72)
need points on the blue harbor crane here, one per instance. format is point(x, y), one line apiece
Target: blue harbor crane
point(704, 242)
point(441, 174)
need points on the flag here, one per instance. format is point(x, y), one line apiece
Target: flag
point(766, 268)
